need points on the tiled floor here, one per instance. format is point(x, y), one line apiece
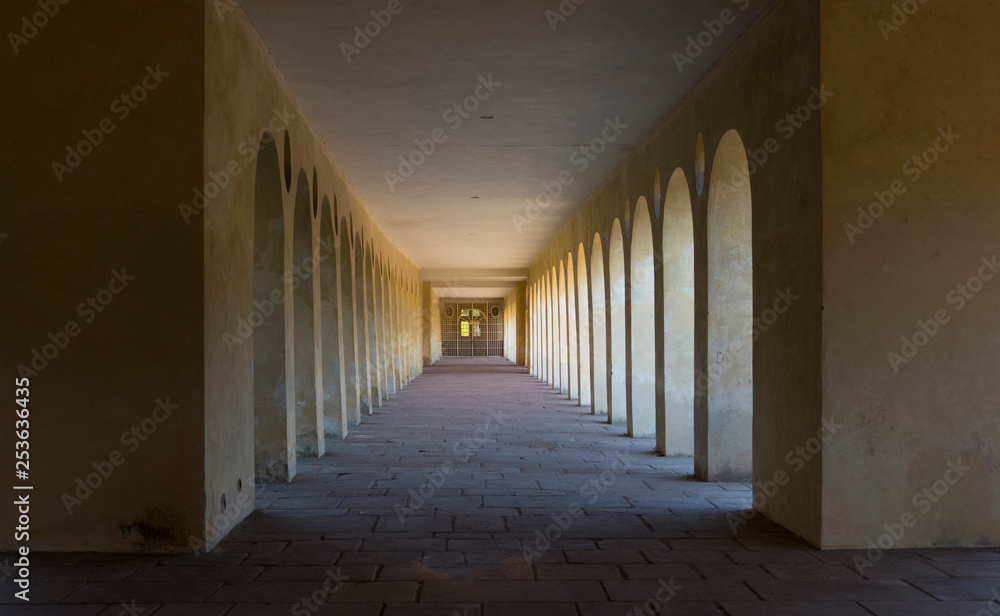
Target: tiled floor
point(438, 502)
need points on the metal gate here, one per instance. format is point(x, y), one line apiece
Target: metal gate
point(472, 329)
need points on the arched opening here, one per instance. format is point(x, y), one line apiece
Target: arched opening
point(532, 340)
point(392, 376)
point(404, 332)
point(404, 328)
point(540, 330)
point(554, 333)
point(334, 413)
point(540, 339)
point(390, 328)
point(563, 331)
point(549, 327)
point(376, 370)
point(551, 330)
point(308, 410)
point(401, 329)
point(642, 290)
point(347, 312)
point(583, 324)
point(699, 164)
point(618, 413)
point(536, 352)
point(599, 320)
point(390, 332)
point(413, 301)
point(397, 362)
point(405, 314)
point(376, 286)
point(573, 335)
point(274, 460)
point(678, 320)
point(361, 320)
point(411, 329)
point(729, 374)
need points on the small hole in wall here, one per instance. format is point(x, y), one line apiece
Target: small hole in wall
point(656, 193)
point(239, 485)
point(699, 165)
point(223, 502)
point(315, 194)
point(288, 163)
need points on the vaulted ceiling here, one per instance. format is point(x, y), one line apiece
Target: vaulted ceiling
point(535, 81)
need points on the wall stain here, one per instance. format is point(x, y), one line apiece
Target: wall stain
point(156, 527)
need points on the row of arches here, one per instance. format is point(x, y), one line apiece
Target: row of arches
point(649, 321)
point(335, 325)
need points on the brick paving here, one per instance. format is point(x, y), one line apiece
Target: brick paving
point(439, 504)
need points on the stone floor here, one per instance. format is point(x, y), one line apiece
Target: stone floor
point(439, 503)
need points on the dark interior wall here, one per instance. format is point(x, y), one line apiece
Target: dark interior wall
point(103, 276)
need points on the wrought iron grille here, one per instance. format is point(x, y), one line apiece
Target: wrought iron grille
point(472, 328)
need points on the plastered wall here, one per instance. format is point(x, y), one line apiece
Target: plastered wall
point(104, 304)
point(129, 221)
point(911, 348)
point(246, 100)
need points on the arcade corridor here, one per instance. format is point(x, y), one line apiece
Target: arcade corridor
point(494, 460)
point(387, 308)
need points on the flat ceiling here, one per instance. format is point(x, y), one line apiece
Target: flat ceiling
point(554, 90)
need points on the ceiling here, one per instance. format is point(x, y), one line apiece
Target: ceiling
point(552, 92)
